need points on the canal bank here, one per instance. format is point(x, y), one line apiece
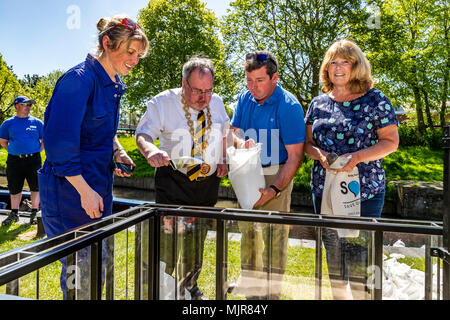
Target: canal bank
point(411, 199)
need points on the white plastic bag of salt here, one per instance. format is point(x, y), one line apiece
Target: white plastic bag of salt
point(246, 174)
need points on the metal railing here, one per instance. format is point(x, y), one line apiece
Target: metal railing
point(22, 261)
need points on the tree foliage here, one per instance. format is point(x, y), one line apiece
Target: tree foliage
point(9, 89)
point(298, 32)
point(177, 30)
point(409, 51)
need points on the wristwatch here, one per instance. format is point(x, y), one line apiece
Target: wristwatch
point(277, 191)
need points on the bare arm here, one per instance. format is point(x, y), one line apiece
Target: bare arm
point(313, 151)
point(388, 140)
point(4, 143)
point(286, 174)
point(238, 141)
point(155, 157)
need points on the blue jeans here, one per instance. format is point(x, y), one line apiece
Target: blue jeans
point(347, 258)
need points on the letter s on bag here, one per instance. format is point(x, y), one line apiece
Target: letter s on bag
point(344, 189)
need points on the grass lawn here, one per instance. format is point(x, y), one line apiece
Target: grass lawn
point(298, 280)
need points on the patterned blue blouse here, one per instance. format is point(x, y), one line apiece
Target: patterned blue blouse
point(345, 127)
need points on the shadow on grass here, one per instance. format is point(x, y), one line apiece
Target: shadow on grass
point(10, 232)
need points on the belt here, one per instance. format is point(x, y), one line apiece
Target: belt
point(27, 155)
point(276, 164)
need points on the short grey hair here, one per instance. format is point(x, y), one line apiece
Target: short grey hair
point(204, 65)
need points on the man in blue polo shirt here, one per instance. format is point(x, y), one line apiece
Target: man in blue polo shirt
point(21, 135)
point(272, 116)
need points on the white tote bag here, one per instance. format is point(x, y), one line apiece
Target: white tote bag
point(246, 174)
point(341, 196)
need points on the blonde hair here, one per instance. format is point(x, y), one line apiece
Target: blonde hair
point(119, 34)
point(360, 79)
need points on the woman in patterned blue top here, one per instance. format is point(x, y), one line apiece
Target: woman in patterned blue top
point(352, 119)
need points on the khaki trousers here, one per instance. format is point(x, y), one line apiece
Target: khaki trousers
point(264, 248)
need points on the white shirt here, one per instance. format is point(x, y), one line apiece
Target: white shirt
point(165, 120)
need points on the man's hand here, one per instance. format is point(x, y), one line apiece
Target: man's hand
point(158, 158)
point(222, 170)
point(266, 195)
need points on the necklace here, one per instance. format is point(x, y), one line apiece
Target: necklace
point(190, 123)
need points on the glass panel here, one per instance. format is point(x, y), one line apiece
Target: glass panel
point(186, 262)
point(346, 269)
point(270, 261)
point(49, 282)
point(123, 266)
point(299, 281)
point(409, 272)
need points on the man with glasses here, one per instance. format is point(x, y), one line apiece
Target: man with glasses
point(272, 116)
point(21, 135)
point(190, 123)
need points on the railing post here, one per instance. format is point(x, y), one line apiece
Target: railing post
point(446, 213)
point(318, 272)
point(96, 270)
point(378, 259)
point(220, 258)
point(428, 270)
point(137, 261)
point(154, 256)
point(109, 276)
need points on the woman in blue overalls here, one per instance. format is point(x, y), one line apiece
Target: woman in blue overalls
point(80, 126)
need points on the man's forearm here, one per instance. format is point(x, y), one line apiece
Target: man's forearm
point(145, 144)
point(287, 173)
point(4, 144)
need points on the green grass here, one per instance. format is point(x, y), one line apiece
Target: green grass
point(415, 163)
point(298, 282)
point(49, 287)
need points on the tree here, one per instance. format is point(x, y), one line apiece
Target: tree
point(298, 32)
point(409, 51)
point(177, 30)
point(9, 89)
point(42, 91)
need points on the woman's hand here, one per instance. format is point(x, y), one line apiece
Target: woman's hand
point(92, 203)
point(122, 157)
point(351, 164)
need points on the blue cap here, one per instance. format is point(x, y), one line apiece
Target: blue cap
point(23, 99)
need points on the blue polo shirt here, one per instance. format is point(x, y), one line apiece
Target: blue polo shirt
point(23, 135)
point(275, 123)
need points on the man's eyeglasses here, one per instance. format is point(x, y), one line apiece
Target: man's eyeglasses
point(199, 92)
point(128, 24)
point(26, 104)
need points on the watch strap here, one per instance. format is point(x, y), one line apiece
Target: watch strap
point(277, 191)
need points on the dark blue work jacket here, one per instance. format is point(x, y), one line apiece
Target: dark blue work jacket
point(80, 123)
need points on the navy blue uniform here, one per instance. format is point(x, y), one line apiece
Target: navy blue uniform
point(80, 123)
